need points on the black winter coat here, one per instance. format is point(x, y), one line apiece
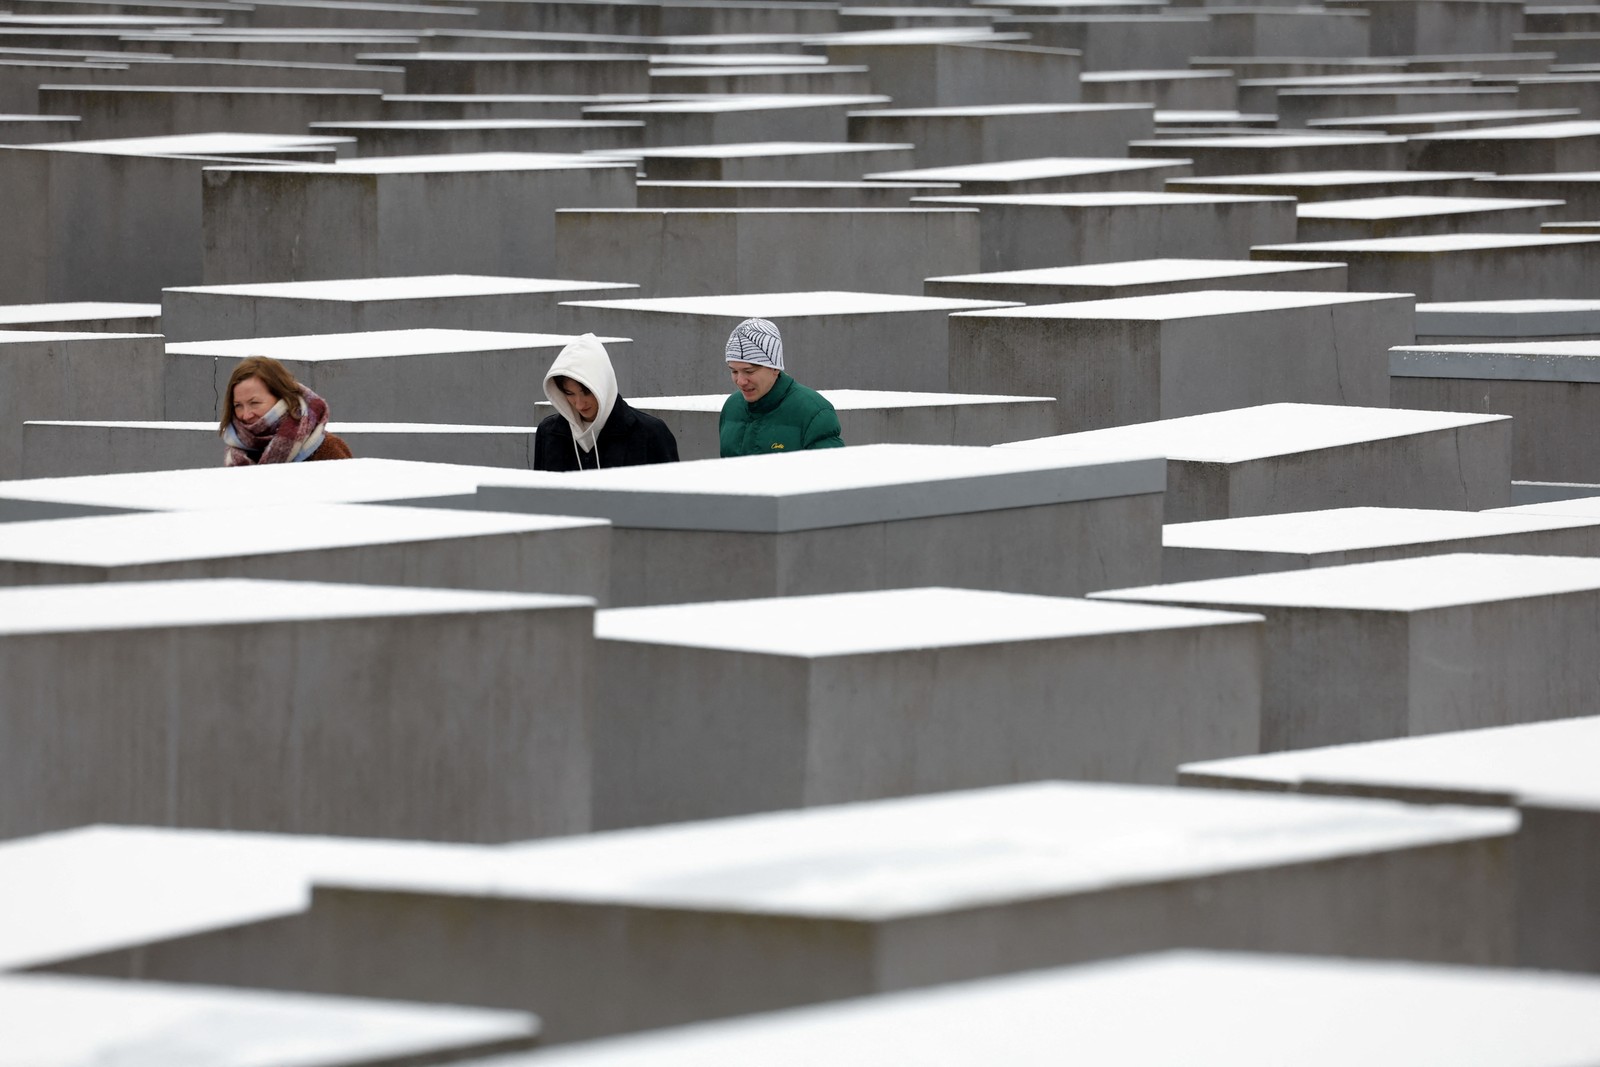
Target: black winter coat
point(630, 438)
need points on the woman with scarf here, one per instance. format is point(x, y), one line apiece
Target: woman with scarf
point(593, 426)
point(268, 417)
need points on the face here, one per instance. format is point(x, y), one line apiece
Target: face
point(251, 400)
point(752, 379)
point(584, 403)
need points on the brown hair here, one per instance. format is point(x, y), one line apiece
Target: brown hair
point(274, 375)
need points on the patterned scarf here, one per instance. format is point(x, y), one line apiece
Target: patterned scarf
point(277, 436)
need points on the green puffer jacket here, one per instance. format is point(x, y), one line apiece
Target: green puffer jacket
point(788, 418)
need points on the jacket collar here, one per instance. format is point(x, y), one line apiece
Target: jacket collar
point(774, 397)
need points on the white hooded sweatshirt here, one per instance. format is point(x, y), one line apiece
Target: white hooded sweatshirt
point(584, 360)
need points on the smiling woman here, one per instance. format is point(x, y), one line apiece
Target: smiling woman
point(268, 417)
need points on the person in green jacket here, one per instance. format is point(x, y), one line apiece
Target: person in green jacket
point(770, 411)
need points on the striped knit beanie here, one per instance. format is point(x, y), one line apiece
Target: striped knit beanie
point(755, 341)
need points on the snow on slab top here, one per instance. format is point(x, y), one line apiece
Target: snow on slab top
point(1319, 178)
point(738, 59)
point(1539, 131)
point(197, 144)
point(1548, 761)
point(1137, 272)
point(786, 305)
point(1578, 507)
point(665, 74)
point(511, 57)
point(1149, 75)
point(927, 855)
point(476, 124)
point(351, 481)
point(1535, 361)
point(1272, 140)
point(376, 344)
point(55, 1020)
point(1400, 207)
point(825, 488)
point(23, 337)
point(93, 890)
point(439, 164)
point(717, 105)
point(25, 313)
point(1162, 307)
point(845, 624)
point(1556, 176)
point(919, 35)
point(210, 602)
point(745, 149)
point(1439, 242)
point(1023, 169)
point(1349, 529)
point(842, 400)
point(1424, 583)
point(1129, 199)
point(174, 536)
point(1199, 1009)
point(1408, 118)
point(983, 110)
point(408, 288)
point(1245, 434)
point(210, 90)
point(100, 888)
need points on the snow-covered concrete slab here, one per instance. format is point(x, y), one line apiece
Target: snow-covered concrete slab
point(1203, 1009)
point(82, 317)
point(167, 703)
point(1467, 321)
point(1521, 149)
point(767, 160)
point(67, 448)
point(1311, 457)
point(473, 213)
point(1482, 266)
point(1414, 216)
point(1551, 388)
point(860, 518)
point(709, 919)
point(982, 133)
point(1136, 359)
point(1368, 651)
point(1138, 277)
point(1065, 229)
point(46, 374)
point(354, 305)
point(1315, 185)
point(1270, 152)
point(1258, 544)
point(373, 545)
point(1048, 174)
point(1028, 687)
point(1546, 769)
point(352, 481)
point(73, 1021)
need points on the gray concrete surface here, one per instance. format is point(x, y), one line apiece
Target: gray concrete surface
point(209, 731)
point(1309, 457)
point(1061, 689)
point(1143, 358)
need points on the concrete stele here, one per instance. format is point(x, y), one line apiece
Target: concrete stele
point(824, 488)
point(1201, 1009)
point(1260, 543)
point(68, 1021)
point(354, 481)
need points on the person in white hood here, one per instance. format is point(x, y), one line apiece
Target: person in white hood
point(593, 426)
